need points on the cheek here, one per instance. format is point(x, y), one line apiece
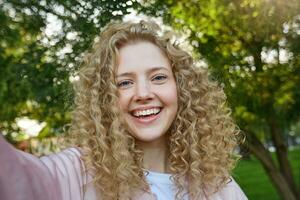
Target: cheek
point(123, 101)
point(169, 95)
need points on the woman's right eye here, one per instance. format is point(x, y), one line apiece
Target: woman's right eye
point(124, 84)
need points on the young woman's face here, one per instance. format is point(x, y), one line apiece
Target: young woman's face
point(147, 90)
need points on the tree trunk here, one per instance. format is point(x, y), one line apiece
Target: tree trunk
point(263, 155)
point(282, 156)
point(245, 152)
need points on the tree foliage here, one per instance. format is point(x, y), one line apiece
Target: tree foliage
point(41, 44)
point(252, 48)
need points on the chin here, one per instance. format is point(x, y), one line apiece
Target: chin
point(149, 137)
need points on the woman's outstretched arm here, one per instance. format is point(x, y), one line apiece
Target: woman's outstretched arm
point(24, 178)
point(55, 177)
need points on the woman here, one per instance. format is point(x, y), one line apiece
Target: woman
point(147, 124)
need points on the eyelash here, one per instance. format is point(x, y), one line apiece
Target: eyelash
point(161, 77)
point(158, 78)
point(124, 83)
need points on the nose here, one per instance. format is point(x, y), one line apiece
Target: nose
point(143, 91)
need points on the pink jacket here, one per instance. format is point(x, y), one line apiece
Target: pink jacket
point(61, 177)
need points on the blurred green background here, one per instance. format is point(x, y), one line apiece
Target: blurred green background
point(250, 46)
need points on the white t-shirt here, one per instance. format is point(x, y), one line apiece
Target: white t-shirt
point(161, 185)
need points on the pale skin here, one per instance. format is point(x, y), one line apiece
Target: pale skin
point(146, 84)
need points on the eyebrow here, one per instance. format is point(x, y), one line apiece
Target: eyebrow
point(148, 72)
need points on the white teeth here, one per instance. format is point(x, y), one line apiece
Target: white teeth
point(146, 112)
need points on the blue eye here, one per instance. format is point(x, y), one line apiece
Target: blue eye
point(159, 78)
point(123, 84)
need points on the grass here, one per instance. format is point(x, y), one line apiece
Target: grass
point(256, 184)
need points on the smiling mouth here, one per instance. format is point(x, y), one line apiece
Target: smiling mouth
point(146, 113)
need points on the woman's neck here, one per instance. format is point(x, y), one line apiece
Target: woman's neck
point(155, 155)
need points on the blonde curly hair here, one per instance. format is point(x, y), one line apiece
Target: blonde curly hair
point(202, 136)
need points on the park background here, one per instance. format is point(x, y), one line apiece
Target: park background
point(252, 47)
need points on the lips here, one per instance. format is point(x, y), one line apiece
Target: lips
point(146, 112)
point(140, 112)
point(146, 116)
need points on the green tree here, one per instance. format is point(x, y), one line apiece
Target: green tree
point(252, 47)
point(36, 66)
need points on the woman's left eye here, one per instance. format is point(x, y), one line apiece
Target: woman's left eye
point(159, 78)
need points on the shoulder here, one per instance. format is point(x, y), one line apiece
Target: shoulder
point(68, 170)
point(66, 159)
point(66, 163)
point(231, 191)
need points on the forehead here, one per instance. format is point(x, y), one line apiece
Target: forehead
point(139, 56)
